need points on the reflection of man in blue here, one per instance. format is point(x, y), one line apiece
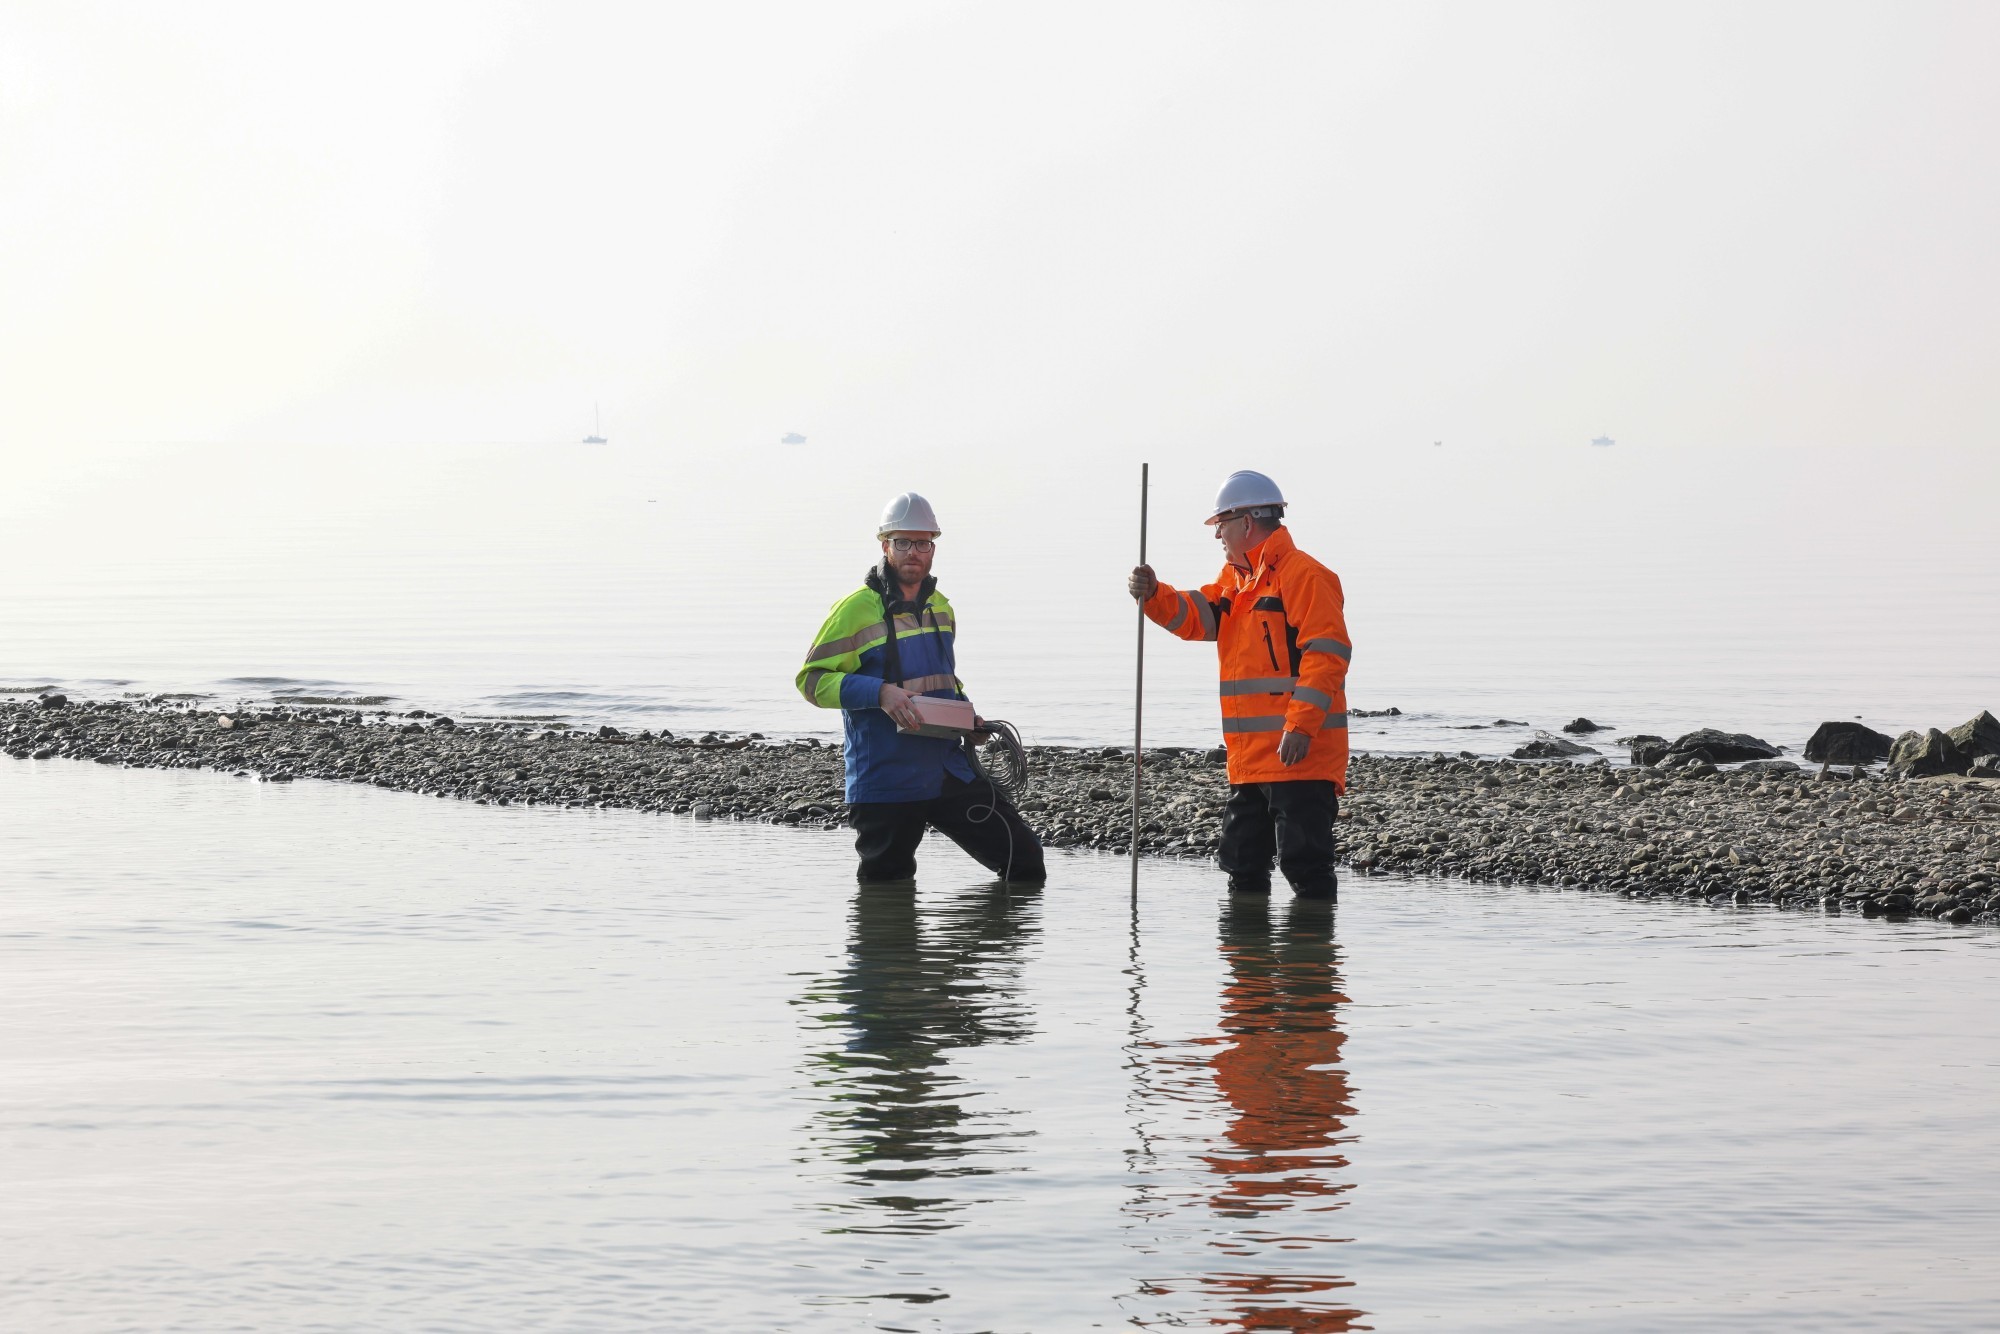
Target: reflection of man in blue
point(922, 978)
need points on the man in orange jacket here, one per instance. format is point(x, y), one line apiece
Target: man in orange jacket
point(1275, 615)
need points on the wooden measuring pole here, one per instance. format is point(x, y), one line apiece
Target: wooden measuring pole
point(1139, 692)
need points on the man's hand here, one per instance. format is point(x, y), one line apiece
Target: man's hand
point(1292, 747)
point(1142, 584)
point(981, 733)
point(895, 702)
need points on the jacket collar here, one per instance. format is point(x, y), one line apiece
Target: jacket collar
point(1265, 556)
point(886, 586)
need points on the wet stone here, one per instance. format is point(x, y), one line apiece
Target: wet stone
point(1767, 835)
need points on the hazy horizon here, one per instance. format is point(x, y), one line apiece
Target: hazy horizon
point(382, 263)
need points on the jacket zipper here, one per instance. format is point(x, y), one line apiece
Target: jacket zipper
point(1271, 649)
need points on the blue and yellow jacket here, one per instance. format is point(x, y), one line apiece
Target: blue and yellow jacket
point(850, 659)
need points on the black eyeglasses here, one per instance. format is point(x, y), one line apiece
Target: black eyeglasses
point(902, 546)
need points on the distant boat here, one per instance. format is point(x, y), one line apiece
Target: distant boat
point(596, 436)
point(1603, 440)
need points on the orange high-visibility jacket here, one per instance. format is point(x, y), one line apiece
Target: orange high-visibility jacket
point(1281, 641)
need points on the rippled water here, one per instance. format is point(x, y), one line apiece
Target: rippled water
point(315, 1056)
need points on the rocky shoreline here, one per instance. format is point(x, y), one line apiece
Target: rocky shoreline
point(1772, 835)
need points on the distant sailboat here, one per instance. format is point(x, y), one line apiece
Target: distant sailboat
point(1603, 440)
point(596, 436)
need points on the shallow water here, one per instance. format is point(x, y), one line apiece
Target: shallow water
point(315, 1056)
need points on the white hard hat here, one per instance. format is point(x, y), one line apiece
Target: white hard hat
point(908, 513)
point(1246, 490)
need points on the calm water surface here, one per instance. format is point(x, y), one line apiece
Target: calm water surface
point(645, 586)
point(314, 1057)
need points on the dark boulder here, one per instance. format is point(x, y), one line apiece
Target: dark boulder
point(1718, 747)
point(1986, 766)
point(1979, 737)
point(1925, 755)
point(1551, 748)
point(1581, 727)
point(53, 702)
point(1647, 749)
point(1847, 743)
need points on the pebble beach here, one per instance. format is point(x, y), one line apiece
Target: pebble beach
point(1856, 841)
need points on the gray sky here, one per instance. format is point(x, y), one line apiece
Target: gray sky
point(1041, 230)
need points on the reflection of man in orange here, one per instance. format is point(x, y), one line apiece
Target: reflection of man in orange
point(1278, 1064)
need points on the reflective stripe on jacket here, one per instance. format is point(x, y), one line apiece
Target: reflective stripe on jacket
point(1281, 643)
point(845, 669)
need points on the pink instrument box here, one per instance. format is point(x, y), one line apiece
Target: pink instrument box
point(946, 718)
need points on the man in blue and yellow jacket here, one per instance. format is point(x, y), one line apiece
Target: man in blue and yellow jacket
point(884, 643)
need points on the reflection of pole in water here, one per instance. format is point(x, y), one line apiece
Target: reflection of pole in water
point(919, 981)
point(1141, 1095)
point(1275, 1070)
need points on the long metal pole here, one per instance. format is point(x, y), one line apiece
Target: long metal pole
point(1139, 692)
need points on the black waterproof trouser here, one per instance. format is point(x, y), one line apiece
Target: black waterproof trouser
point(977, 816)
point(1291, 822)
